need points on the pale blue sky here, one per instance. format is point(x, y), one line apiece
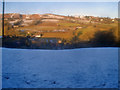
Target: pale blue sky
point(104, 9)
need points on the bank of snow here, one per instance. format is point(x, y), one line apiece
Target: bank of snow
point(78, 68)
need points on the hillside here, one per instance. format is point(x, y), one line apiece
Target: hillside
point(67, 28)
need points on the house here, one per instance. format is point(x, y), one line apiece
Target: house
point(38, 36)
point(15, 26)
point(59, 41)
point(101, 20)
point(113, 20)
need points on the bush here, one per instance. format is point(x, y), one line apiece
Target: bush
point(103, 38)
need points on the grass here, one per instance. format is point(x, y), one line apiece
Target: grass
point(68, 24)
point(65, 35)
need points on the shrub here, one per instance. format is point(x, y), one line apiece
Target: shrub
point(103, 38)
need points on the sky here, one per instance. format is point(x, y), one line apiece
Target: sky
point(61, 0)
point(101, 9)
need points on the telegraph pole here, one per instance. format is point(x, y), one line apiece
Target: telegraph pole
point(3, 20)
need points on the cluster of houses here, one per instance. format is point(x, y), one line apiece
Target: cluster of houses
point(45, 40)
point(91, 19)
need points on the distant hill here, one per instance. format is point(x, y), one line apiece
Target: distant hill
point(31, 16)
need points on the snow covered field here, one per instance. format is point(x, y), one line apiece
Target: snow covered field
point(78, 68)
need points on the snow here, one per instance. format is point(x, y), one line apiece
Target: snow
point(75, 68)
